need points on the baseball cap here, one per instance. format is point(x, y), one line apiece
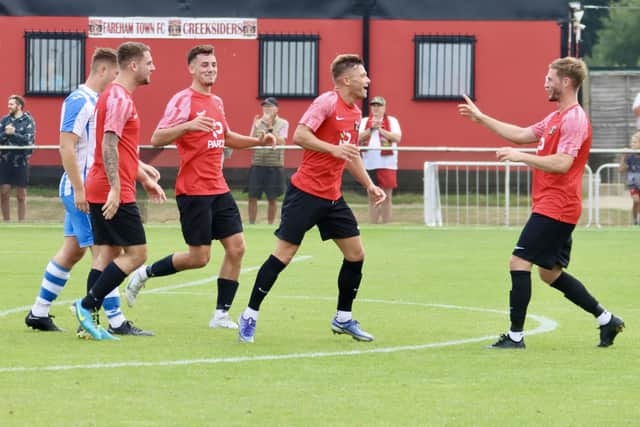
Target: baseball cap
point(270, 101)
point(378, 100)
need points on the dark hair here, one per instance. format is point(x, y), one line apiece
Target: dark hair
point(343, 63)
point(18, 99)
point(103, 54)
point(201, 49)
point(129, 51)
point(570, 67)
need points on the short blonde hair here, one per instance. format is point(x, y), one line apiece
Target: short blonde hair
point(573, 68)
point(342, 63)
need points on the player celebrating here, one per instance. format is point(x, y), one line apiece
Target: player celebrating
point(328, 132)
point(564, 140)
point(110, 187)
point(194, 119)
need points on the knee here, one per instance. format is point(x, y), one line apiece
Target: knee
point(236, 252)
point(200, 259)
point(518, 264)
point(548, 276)
point(355, 256)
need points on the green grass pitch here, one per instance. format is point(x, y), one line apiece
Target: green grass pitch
point(432, 297)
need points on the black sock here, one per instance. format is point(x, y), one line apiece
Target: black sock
point(163, 267)
point(575, 292)
point(348, 282)
point(264, 281)
point(226, 292)
point(93, 276)
point(110, 279)
point(519, 298)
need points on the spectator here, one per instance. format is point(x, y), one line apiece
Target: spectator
point(18, 129)
point(630, 164)
point(267, 168)
point(380, 131)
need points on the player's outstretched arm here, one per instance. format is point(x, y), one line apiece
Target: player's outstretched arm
point(513, 133)
point(68, 141)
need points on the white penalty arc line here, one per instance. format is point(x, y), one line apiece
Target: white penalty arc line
point(545, 325)
point(4, 313)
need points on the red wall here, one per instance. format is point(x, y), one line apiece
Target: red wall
point(511, 61)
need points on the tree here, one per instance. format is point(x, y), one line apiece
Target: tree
point(618, 42)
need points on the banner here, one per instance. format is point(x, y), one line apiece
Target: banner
point(173, 28)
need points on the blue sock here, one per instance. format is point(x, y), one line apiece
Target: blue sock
point(111, 305)
point(55, 277)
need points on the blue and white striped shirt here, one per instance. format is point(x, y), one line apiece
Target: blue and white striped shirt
point(78, 117)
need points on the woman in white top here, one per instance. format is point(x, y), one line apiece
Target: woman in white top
point(381, 131)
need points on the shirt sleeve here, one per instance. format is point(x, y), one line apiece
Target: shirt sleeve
point(74, 115)
point(284, 130)
point(321, 109)
point(395, 126)
point(176, 112)
point(538, 128)
point(636, 102)
point(118, 111)
point(573, 132)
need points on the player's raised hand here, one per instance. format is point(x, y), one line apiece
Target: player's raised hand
point(267, 139)
point(469, 109)
point(346, 152)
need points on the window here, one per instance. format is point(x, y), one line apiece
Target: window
point(288, 66)
point(444, 67)
point(54, 63)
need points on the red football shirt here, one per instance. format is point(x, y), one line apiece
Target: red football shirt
point(200, 172)
point(559, 195)
point(335, 122)
point(115, 112)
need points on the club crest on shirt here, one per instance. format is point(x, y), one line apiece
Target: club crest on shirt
point(345, 137)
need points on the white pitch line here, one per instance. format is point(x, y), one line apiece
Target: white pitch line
point(545, 325)
point(4, 313)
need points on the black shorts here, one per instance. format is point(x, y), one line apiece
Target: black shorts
point(207, 218)
point(545, 242)
point(301, 211)
point(124, 229)
point(266, 179)
point(17, 176)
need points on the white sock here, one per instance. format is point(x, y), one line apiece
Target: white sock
point(40, 309)
point(516, 336)
point(142, 271)
point(250, 313)
point(117, 321)
point(604, 318)
point(220, 313)
point(343, 316)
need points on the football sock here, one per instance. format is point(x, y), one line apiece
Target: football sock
point(343, 316)
point(226, 292)
point(163, 267)
point(112, 309)
point(604, 318)
point(348, 282)
point(55, 277)
point(516, 336)
point(264, 281)
point(91, 279)
point(575, 292)
point(519, 298)
point(250, 313)
point(110, 279)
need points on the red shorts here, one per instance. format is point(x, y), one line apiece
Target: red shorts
point(634, 191)
point(386, 178)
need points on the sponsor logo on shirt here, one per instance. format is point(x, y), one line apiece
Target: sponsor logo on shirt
point(218, 135)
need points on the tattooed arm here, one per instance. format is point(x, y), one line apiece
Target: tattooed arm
point(111, 168)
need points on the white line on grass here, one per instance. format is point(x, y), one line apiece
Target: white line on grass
point(4, 313)
point(545, 325)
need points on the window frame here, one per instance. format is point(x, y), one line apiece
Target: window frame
point(263, 39)
point(421, 94)
point(33, 66)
